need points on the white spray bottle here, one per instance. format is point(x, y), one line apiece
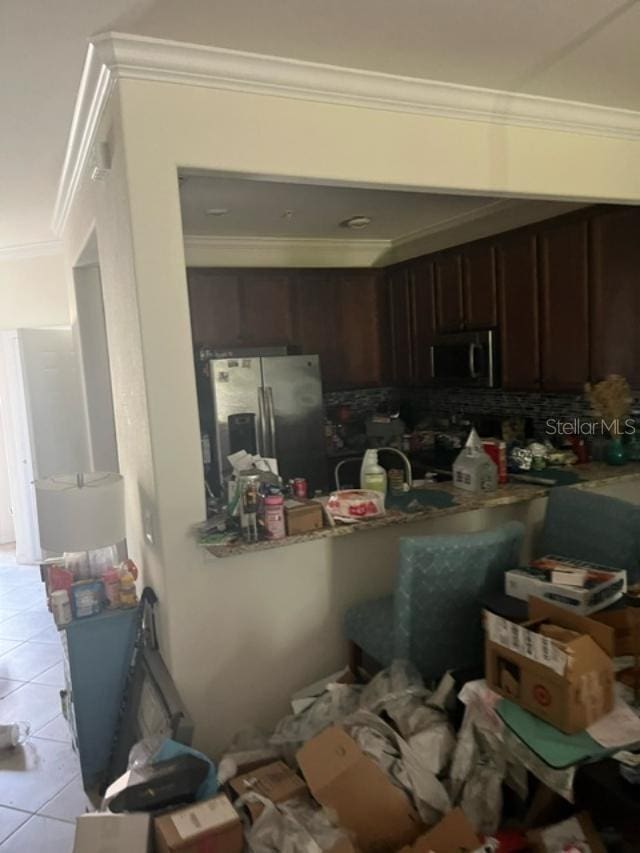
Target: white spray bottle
point(372, 475)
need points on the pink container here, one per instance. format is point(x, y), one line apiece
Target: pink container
point(274, 526)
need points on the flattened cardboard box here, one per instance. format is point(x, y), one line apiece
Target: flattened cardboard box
point(275, 781)
point(367, 805)
point(105, 832)
point(211, 826)
point(578, 829)
point(569, 687)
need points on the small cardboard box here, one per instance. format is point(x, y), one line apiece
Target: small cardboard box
point(367, 805)
point(570, 684)
point(604, 585)
point(275, 781)
point(211, 826)
point(302, 516)
point(103, 832)
point(453, 834)
point(578, 830)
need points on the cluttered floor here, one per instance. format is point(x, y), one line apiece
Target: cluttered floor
point(40, 787)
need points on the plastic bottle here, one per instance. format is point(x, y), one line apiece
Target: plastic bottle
point(111, 581)
point(128, 595)
point(372, 475)
point(274, 517)
point(61, 607)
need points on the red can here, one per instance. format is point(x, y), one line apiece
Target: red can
point(300, 488)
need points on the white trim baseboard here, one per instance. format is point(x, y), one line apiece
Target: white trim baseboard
point(113, 56)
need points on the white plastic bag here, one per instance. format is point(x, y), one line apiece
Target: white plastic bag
point(295, 826)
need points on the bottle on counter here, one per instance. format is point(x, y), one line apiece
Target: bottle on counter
point(274, 525)
point(372, 475)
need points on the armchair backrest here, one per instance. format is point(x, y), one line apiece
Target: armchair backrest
point(437, 615)
point(588, 526)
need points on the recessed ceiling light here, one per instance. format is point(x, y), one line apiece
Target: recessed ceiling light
point(356, 222)
point(217, 211)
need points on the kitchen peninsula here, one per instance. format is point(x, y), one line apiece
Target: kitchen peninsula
point(621, 482)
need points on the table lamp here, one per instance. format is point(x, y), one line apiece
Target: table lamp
point(80, 512)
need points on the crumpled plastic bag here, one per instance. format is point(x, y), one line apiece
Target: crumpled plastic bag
point(295, 826)
point(399, 681)
point(331, 707)
point(481, 762)
point(250, 746)
point(406, 767)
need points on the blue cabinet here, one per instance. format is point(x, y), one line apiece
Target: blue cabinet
point(98, 653)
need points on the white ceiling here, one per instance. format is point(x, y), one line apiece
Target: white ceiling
point(257, 209)
point(583, 50)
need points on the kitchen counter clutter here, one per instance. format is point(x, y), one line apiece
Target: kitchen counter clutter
point(438, 500)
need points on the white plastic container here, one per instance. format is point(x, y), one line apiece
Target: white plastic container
point(373, 477)
point(61, 607)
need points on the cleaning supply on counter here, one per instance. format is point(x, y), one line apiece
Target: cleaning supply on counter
point(61, 607)
point(373, 477)
point(473, 469)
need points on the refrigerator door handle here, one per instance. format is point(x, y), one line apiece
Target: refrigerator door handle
point(261, 428)
point(272, 422)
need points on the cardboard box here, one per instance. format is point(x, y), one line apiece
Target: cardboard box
point(377, 814)
point(103, 832)
point(211, 826)
point(578, 829)
point(626, 625)
point(275, 781)
point(604, 585)
point(453, 834)
point(302, 516)
point(568, 685)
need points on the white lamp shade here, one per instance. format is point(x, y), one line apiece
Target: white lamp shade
point(80, 512)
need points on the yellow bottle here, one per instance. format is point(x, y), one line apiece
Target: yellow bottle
point(128, 594)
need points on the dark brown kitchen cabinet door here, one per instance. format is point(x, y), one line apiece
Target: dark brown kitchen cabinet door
point(448, 286)
point(424, 320)
point(317, 319)
point(480, 288)
point(518, 300)
point(564, 306)
point(360, 325)
point(400, 333)
point(266, 303)
point(214, 302)
point(615, 294)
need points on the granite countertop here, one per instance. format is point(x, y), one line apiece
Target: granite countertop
point(593, 475)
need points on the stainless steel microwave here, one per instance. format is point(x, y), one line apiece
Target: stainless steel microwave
point(465, 358)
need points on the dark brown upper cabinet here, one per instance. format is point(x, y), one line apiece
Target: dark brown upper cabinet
point(400, 348)
point(480, 288)
point(564, 305)
point(519, 320)
point(267, 318)
point(423, 316)
point(448, 292)
point(615, 293)
point(338, 315)
point(214, 302)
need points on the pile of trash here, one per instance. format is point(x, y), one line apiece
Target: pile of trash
point(356, 768)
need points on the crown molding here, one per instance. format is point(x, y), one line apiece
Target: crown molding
point(31, 250)
point(205, 250)
point(113, 56)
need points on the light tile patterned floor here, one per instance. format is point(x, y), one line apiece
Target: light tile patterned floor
point(40, 786)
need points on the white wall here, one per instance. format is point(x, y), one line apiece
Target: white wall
point(239, 634)
point(93, 354)
point(7, 529)
point(33, 292)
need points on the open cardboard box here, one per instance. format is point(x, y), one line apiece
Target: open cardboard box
point(557, 665)
point(275, 781)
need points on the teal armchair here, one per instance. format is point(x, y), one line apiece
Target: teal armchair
point(587, 526)
point(433, 617)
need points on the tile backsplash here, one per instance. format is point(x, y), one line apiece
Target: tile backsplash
point(467, 401)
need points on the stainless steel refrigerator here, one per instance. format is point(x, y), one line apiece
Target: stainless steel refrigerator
point(271, 405)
